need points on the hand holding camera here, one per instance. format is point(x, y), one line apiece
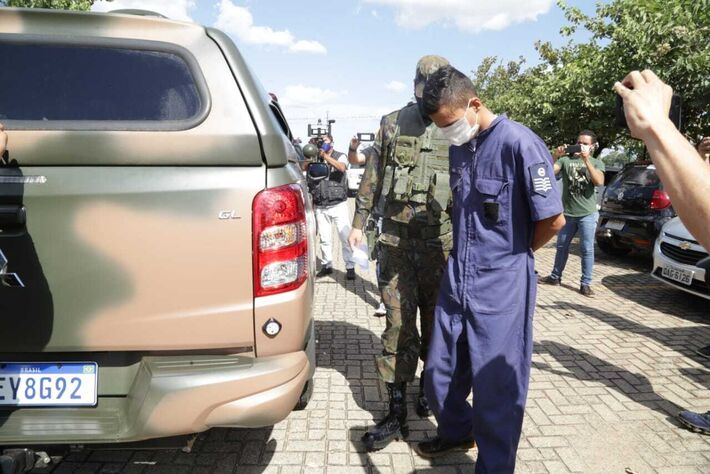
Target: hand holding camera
point(354, 143)
point(579, 149)
point(559, 152)
point(646, 102)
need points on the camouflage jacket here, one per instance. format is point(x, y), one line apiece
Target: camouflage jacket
point(418, 201)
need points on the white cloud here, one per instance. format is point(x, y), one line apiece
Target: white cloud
point(173, 9)
point(396, 86)
point(307, 46)
point(467, 15)
point(239, 21)
point(305, 96)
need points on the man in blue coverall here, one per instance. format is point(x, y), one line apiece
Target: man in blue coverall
point(506, 206)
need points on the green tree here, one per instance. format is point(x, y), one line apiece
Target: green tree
point(83, 5)
point(570, 89)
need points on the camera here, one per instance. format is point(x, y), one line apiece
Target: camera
point(579, 148)
point(572, 149)
point(317, 169)
point(675, 113)
point(365, 137)
point(317, 133)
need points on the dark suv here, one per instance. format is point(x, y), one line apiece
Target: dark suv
point(633, 210)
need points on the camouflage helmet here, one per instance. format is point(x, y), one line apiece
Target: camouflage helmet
point(426, 66)
point(310, 151)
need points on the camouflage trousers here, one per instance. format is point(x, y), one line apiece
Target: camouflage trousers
point(409, 280)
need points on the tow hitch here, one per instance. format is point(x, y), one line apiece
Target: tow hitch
point(20, 461)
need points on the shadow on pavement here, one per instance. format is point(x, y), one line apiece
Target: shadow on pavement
point(219, 450)
point(360, 286)
point(355, 360)
point(699, 376)
point(633, 261)
point(679, 339)
point(653, 294)
point(634, 386)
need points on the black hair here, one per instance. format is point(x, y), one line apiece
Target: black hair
point(330, 137)
point(447, 86)
point(589, 133)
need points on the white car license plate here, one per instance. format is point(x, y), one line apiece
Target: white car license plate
point(48, 384)
point(615, 225)
point(678, 274)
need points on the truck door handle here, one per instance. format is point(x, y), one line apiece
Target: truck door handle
point(12, 215)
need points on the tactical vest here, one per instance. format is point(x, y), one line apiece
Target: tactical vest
point(416, 190)
point(332, 190)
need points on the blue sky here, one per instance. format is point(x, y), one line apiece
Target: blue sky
point(355, 59)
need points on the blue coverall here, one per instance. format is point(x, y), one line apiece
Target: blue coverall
point(502, 183)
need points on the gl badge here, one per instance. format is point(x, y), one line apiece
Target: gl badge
point(228, 214)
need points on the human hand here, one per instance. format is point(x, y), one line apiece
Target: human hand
point(558, 152)
point(586, 152)
point(647, 101)
point(354, 143)
point(355, 237)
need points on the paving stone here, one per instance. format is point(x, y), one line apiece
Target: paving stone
point(608, 375)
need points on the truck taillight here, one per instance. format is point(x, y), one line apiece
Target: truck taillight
point(660, 200)
point(280, 242)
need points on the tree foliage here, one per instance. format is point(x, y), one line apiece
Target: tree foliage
point(571, 88)
point(83, 5)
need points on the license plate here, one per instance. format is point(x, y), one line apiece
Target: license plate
point(615, 225)
point(48, 384)
point(678, 274)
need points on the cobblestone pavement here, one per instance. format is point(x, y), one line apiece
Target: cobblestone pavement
point(609, 374)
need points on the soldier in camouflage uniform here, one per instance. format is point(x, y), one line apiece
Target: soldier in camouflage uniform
point(408, 167)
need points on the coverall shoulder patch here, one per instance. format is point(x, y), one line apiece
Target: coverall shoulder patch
point(541, 182)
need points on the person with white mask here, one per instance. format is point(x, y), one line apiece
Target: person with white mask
point(506, 205)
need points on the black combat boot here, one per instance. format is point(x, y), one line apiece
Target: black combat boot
point(394, 425)
point(422, 404)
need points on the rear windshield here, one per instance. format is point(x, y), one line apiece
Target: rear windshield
point(41, 82)
point(639, 176)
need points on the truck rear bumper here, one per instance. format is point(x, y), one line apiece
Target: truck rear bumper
point(172, 396)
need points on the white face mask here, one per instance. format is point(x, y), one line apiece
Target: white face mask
point(461, 132)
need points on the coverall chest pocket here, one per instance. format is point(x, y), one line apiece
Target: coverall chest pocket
point(492, 200)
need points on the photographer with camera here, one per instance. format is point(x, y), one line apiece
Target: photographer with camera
point(581, 173)
point(330, 198)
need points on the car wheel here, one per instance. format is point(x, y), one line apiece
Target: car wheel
point(609, 248)
point(305, 396)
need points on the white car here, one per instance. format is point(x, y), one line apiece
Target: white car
point(354, 174)
point(676, 255)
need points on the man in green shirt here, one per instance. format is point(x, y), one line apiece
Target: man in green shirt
point(581, 174)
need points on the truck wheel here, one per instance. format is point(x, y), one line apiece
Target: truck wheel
point(305, 396)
